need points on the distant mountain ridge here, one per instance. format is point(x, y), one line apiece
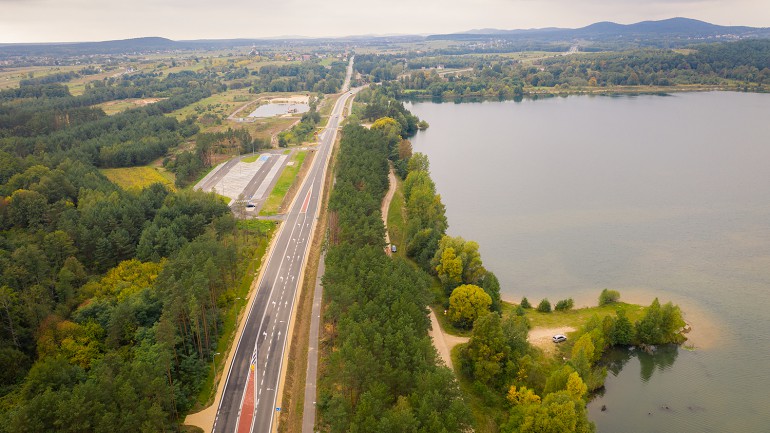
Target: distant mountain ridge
point(672, 27)
point(679, 30)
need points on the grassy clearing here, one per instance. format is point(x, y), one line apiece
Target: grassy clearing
point(285, 181)
point(576, 318)
point(397, 220)
point(138, 177)
point(263, 232)
point(115, 107)
point(219, 105)
point(327, 61)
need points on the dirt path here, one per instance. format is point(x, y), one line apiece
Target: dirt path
point(541, 337)
point(442, 341)
point(386, 205)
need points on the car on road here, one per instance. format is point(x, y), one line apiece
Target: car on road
point(558, 338)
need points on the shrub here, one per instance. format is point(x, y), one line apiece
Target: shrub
point(544, 306)
point(608, 297)
point(564, 304)
point(525, 303)
point(519, 310)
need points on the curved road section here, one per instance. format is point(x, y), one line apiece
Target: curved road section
point(251, 387)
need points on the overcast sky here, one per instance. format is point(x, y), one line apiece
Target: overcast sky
point(96, 20)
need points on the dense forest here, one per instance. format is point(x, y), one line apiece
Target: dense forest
point(742, 65)
point(112, 302)
point(306, 76)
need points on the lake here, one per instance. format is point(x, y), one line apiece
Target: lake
point(665, 196)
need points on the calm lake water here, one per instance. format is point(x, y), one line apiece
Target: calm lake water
point(665, 196)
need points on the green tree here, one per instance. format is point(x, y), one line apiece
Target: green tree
point(525, 303)
point(660, 325)
point(418, 162)
point(544, 306)
point(622, 331)
point(491, 286)
point(27, 208)
point(558, 413)
point(564, 304)
point(467, 303)
point(486, 350)
point(575, 386)
point(608, 297)
point(472, 270)
point(582, 356)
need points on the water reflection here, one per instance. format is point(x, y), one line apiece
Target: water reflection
point(661, 359)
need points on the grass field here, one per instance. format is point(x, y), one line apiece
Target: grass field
point(138, 177)
point(576, 318)
point(253, 158)
point(285, 181)
point(397, 219)
point(219, 104)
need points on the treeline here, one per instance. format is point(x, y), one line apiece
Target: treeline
point(381, 372)
point(522, 390)
point(307, 76)
point(59, 77)
point(302, 131)
point(64, 126)
point(380, 104)
point(189, 164)
point(110, 301)
point(744, 64)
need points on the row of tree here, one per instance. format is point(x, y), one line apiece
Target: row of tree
point(380, 373)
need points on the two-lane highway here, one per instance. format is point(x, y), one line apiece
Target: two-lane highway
point(258, 359)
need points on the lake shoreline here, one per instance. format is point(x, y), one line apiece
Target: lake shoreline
point(534, 94)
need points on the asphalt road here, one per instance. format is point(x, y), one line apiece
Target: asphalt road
point(268, 320)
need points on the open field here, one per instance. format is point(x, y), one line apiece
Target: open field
point(285, 181)
point(139, 177)
point(576, 318)
point(219, 105)
point(213, 112)
point(10, 78)
point(115, 107)
point(397, 220)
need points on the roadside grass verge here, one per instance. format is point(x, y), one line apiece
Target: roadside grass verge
point(256, 238)
point(285, 181)
point(137, 178)
point(253, 158)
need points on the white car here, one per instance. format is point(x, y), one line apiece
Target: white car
point(558, 338)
